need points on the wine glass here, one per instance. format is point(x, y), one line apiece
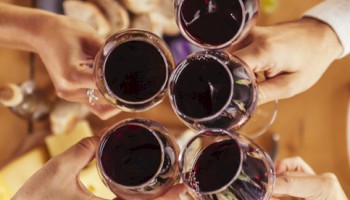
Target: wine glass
point(215, 24)
point(137, 159)
point(132, 70)
point(262, 119)
point(212, 89)
point(218, 164)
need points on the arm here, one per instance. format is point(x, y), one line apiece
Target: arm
point(66, 46)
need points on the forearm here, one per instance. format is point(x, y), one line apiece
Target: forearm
point(21, 27)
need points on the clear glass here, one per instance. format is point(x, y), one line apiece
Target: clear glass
point(248, 174)
point(36, 105)
point(111, 44)
point(263, 117)
point(166, 170)
point(244, 13)
point(241, 89)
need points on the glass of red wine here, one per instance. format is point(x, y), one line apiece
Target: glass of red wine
point(215, 24)
point(218, 164)
point(132, 70)
point(138, 159)
point(212, 89)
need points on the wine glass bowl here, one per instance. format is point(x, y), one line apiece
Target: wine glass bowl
point(215, 24)
point(137, 159)
point(212, 89)
point(218, 164)
point(132, 70)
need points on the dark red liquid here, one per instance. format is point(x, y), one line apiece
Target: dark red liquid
point(131, 155)
point(211, 22)
point(202, 88)
point(135, 71)
point(216, 166)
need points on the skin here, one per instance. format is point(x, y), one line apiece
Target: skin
point(66, 46)
point(292, 55)
point(59, 178)
point(295, 178)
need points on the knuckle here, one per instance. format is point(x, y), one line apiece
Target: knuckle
point(86, 144)
point(298, 159)
point(329, 177)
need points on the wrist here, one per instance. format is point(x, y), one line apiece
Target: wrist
point(328, 39)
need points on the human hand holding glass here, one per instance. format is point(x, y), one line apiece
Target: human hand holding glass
point(291, 66)
point(59, 178)
point(295, 178)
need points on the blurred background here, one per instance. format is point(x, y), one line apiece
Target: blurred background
point(314, 125)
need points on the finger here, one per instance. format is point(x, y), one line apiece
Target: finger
point(295, 164)
point(254, 56)
point(77, 157)
point(279, 87)
point(83, 76)
point(103, 110)
point(174, 193)
point(298, 186)
point(80, 96)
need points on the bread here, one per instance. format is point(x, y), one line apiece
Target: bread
point(141, 6)
point(115, 13)
point(89, 13)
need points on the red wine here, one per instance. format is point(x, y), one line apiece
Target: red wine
point(210, 89)
point(212, 22)
point(203, 87)
point(216, 166)
point(219, 163)
point(135, 71)
point(131, 155)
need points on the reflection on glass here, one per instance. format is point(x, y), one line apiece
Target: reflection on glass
point(215, 24)
point(212, 89)
point(132, 70)
point(137, 159)
point(224, 165)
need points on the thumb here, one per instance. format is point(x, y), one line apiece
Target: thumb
point(174, 193)
point(253, 56)
point(278, 87)
point(295, 185)
point(78, 156)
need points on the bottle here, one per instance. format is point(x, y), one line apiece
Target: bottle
point(25, 100)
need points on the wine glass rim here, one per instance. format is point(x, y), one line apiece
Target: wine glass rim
point(150, 39)
point(177, 73)
point(234, 136)
point(107, 133)
point(208, 46)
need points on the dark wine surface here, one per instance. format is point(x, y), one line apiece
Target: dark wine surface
point(216, 166)
point(212, 22)
point(135, 71)
point(203, 88)
point(131, 155)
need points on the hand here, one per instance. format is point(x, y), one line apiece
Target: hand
point(293, 55)
point(295, 178)
point(67, 48)
point(59, 178)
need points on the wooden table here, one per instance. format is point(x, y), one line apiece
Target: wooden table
point(311, 125)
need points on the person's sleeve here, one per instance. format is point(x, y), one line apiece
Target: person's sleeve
point(336, 13)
